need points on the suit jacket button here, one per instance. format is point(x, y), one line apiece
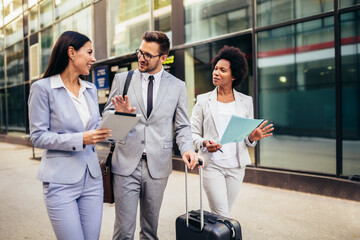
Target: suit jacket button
point(142, 142)
point(74, 148)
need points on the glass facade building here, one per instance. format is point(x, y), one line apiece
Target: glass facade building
point(303, 58)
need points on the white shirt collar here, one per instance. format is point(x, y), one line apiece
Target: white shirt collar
point(157, 76)
point(56, 82)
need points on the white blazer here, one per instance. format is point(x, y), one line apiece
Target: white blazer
point(204, 122)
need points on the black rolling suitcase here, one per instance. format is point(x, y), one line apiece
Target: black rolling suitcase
point(201, 225)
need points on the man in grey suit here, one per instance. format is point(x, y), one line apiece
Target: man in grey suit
point(142, 162)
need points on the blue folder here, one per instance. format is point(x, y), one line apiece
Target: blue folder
point(238, 129)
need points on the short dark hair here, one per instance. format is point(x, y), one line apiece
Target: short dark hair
point(160, 38)
point(238, 63)
point(59, 58)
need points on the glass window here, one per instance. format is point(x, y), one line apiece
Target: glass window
point(14, 64)
point(2, 111)
point(128, 20)
point(64, 8)
point(31, 3)
point(2, 37)
point(297, 93)
point(12, 9)
point(1, 14)
point(80, 22)
point(350, 64)
point(348, 3)
point(275, 11)
point(162, 16)
point(46, 48)
point(34, 20)
point(2, 69)
point(16, 103)
point(207, 19)
point(46, 15)
point(14, 32)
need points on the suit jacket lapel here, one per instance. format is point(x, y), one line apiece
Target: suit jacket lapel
point(164, 84)
point(213, 106)
point(92, 108)
point(136, 86)
point(239, 105)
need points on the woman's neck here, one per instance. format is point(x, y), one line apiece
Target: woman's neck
point(224, 91)
point(71, 81)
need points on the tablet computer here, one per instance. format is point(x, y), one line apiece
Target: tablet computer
point(120, 123)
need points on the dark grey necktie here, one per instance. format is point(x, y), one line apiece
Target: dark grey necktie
point(150, 95)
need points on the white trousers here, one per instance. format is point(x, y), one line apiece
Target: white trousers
point(222, 186)
point(75, 210)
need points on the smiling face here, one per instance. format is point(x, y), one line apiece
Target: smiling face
point(84, 58)
point(222, 76)
point(155, 63)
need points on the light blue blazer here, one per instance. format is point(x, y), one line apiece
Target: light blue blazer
point(204, 122)
point(55, 126)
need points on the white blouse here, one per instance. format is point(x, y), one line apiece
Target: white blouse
point(227, 158)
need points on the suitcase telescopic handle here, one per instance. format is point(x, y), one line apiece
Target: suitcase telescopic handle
point(201, 199)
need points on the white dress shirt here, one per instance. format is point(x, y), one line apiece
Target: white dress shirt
point(79, 102)
point(145, 83)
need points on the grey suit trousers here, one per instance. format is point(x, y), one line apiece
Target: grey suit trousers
point(128, 190)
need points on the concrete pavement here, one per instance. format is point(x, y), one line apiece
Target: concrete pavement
point(264, 212)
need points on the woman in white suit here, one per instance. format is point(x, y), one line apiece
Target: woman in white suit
point(63, 114)
point(224, 165)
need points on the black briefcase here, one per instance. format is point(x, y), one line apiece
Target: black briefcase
point(199, 225)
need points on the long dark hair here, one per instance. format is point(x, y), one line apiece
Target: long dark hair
point(59, 58)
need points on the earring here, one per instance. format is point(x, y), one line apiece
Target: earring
point(72, 59)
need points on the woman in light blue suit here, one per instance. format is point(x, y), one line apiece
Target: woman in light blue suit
point(224, 165)
point(63, 114)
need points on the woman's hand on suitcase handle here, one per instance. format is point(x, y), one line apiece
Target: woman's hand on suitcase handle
point(190, 158)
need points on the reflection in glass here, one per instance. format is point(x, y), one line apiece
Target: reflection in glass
point(2, 111)
point(1, 14)
point(2, 37)
point(16, 102)
point(12, 9)
point(14, 31)
point(80, 22)
point(350, 65)
point(34, 20)
point(162, 16)
point(2, 69)
point(31, 3)
point(14, 62)
point(46, 48)
point(275, 11)
point(128, 20)
point(297, 94)
point(46, 15)
point(206, 19)
point(348, 3)
point(64, 8)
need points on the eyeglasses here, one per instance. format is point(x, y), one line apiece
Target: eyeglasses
point(147, 57)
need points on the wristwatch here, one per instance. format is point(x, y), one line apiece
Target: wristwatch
point(202, 147)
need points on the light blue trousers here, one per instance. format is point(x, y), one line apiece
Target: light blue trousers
point(75, 210)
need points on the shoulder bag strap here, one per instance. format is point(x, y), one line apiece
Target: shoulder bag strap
point(127, 83)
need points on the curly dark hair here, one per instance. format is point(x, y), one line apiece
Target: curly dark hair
point(238, 63)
